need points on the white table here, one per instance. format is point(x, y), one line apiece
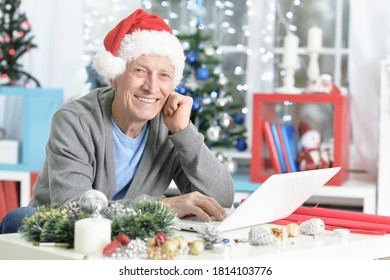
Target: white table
point(325, 246)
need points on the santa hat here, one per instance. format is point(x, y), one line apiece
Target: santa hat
point(138, 34)
point(303, 127)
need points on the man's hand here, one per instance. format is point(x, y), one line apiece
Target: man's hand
point(177, 111)
point(196, 204)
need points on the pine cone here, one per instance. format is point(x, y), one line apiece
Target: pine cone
point(312, 226)
point(260, 236)
point(210, 236)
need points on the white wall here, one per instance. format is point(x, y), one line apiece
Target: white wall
point(58, 30)
point(368, 35)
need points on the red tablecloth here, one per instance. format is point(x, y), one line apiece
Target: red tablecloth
point(354, 221)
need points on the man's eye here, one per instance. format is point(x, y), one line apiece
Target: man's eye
point(166, 76)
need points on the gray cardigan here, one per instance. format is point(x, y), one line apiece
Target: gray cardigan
point(80, 157)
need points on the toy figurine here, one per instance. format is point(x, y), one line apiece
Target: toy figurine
point(311, 156)
point(323, 84)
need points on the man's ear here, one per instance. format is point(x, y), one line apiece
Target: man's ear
point(113, 83)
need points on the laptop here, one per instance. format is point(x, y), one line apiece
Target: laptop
point(276, 198)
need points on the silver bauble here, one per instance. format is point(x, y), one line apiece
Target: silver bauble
point(231, 165)
point(93, 202)
point(220, 156)
point(214, 133)
point(209, 51)
point(225, 120)
point(223, 79)
point(224, 101)
point(206, 101)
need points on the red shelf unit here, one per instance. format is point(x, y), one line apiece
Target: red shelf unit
point(264, 106)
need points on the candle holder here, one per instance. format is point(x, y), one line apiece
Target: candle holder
point(313, 73)
point(289, 80)
point(313, 70)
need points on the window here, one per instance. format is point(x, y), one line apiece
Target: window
point(249, 35)
point(333, 18)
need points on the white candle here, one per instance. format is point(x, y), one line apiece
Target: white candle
point(290, 55)
point(314, 39)
point(91, 235)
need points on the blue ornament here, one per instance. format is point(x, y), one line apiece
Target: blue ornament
point(196, 105)
point(241, 145)
point(239, 119)
point(181, 89)
point(191, 58)
point(202, 74)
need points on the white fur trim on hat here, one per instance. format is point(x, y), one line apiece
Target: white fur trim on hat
point(108, 66)
point(142, 42)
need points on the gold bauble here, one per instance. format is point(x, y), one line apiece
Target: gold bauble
point(196, 247)
point(169, 249)
point(292, 229)
point(181, 241)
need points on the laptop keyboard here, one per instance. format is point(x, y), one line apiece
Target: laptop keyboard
point(194, 223)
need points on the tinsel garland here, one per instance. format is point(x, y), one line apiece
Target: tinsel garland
point(55, 222)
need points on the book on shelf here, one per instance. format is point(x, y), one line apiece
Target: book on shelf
point(11, 194)
point(278, 146)
point(9, 197)
point(3, 205)
point(269, 139)
point(288, 138)
point(283, 146)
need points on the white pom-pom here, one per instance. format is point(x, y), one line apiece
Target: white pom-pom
point(108, 66)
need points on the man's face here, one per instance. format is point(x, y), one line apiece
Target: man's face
point(141, 91)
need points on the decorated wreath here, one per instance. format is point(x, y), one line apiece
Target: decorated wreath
point(55, 222)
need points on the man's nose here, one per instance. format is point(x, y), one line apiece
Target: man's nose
point(151, 83)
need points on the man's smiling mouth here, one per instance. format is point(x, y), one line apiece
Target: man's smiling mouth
point(147, 100)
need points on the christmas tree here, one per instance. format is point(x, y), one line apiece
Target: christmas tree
point(215, 112)
point(15, 40)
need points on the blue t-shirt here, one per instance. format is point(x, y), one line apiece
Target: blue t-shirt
point(127, 152)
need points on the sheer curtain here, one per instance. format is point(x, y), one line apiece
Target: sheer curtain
point(368, 45)
point(58, 30)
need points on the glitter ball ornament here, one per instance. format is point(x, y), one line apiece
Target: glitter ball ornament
point(210, 235)
point(260, 236)
point(136, 248)
point(196, 247)
point(312, 226)
point(93, 202)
